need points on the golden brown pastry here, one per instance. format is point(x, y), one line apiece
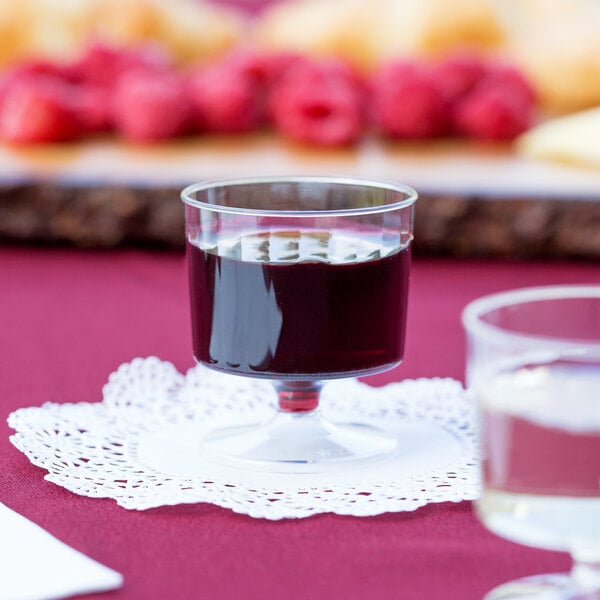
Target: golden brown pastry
point(435, 27)
point(369, 31)
point(59, 29)
point(191, 29)
point(557, 44)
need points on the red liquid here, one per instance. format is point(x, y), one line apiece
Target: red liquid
point(298, 320)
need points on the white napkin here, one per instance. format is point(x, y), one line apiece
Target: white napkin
point(36, 566)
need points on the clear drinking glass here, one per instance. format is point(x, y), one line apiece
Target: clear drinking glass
point(298, 280)
point(534, 365)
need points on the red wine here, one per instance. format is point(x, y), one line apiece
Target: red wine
point(298, 305)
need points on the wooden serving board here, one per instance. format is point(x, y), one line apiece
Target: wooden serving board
point(475, 199)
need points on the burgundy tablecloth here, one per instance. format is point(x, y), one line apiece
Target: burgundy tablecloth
point(68, 318)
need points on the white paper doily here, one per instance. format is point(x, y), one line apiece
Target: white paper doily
point(139, 445)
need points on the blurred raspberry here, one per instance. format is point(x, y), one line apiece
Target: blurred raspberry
point(39, 109)
point(407, 103)
point(396, 70)
point(276, 64)
point(318, 102)
point(225, 99)
point(331, 71)
point(35, 67)
point(492, 113)
point(7, 81)
point(93, 107)
point(512, 80)
point(264, 67)
point(102, 65)
point(457, 75)
point(150, 106)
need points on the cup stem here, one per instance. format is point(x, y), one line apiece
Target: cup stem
point(298, 396)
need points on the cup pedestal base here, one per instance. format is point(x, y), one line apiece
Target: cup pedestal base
point(302, 442)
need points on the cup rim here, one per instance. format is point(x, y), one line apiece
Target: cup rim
point(472, 312)
point(411, 195)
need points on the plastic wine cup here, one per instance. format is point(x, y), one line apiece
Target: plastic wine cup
point(533, 364)
point(298, 280)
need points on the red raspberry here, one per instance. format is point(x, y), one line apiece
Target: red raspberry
point(263, 67)
point(35, 67)
point(150, 106)
point(93, 108)
point(492, 113)
point(39, 110)
point(511, 80)
point(396, 70)
point(7, 81)
point(331, 71)
point(457, 75)
point(407, 103)
point(225, 99)
point(102, 65)
point(319, 103)
point(276, 65)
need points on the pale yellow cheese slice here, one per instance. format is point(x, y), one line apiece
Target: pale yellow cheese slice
point(573, 138)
